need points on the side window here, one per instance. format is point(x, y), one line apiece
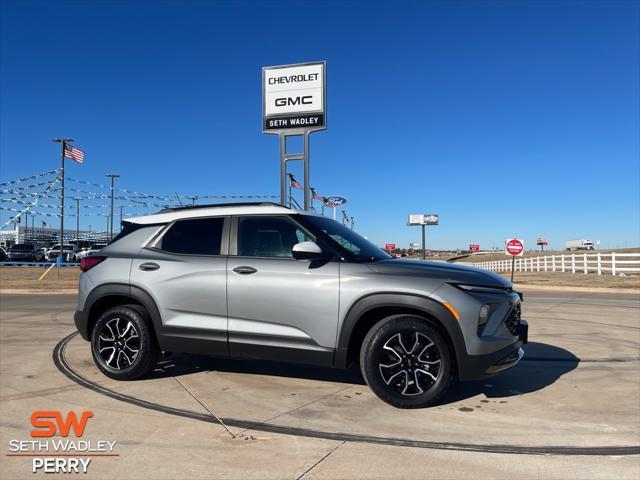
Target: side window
point(200, 236)
point(268, 236)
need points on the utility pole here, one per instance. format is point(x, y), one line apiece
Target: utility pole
point(353, 222)
point(77, 199)
point(193, 199)
point(26, 225)
point(424, 247)
point(62, 141)
point(112, 176)
point(121, 210)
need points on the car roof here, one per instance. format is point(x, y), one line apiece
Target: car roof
point(223, 209)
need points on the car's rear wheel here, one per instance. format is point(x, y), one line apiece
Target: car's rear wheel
point(406, 361)
point(123, 344)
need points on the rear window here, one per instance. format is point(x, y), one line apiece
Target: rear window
point(201, 236)
point(126, 228)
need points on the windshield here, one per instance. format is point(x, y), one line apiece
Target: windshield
point(359, 247)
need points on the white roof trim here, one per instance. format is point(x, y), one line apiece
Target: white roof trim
point(167, 217)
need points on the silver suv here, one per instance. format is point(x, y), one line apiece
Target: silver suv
point(266, 282)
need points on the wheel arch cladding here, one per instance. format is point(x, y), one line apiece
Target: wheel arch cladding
point(367, 311)
point(112, 295)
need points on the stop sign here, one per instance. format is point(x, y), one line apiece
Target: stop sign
point(514, 247)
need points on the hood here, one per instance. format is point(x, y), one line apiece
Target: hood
point(446, 271)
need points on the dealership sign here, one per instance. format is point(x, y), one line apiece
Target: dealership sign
point(294, 97)
point(514, 247)
point(333, 202)
point(389, 246)
point(424, 219)
point(474, 247)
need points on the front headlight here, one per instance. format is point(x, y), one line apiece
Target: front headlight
point(481, 288)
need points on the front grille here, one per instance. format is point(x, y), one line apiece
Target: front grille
point(511, 322)
point(513, 319)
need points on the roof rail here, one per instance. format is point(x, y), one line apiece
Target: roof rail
point(213, 205)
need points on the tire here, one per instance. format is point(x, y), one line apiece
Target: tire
point(123, 344)
point(406, 361)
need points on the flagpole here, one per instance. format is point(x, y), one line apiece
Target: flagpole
point(62, 141)
point(62, 206)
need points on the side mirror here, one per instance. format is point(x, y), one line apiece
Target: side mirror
point(307, 251)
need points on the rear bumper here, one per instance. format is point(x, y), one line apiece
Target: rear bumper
point(474, 367)
point(81, 320)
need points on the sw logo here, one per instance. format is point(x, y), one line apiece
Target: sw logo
point(49, 422)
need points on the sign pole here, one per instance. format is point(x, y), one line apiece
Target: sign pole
point(513, 264)
point(306, 171)
point(424, 247)
point(283, 171)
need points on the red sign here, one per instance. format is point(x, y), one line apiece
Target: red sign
point(389, 246)
point(514, 247)
point(474, 247)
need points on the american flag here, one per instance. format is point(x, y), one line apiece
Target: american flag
point(73, 153)
point(293, 183)
point(314, 195)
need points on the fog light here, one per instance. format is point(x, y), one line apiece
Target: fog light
point(483, 318)
point(484, 314)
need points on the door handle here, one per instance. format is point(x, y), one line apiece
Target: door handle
point(245, 270)
point(148, 266)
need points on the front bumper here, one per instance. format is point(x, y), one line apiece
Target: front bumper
point(474, 367)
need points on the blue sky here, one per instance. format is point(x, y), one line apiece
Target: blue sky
point(506, 118)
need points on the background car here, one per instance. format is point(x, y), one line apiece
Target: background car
point(3, 255)
point(69, 251)
point(40, 254)
point(92, 249)
point(22, 252)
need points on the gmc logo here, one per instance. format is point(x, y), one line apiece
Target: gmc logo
point(283, 102)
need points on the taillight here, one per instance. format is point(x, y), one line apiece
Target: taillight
point(87, 263)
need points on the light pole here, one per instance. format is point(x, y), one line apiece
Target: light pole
point(193, 199)
point(112, 176)
point(62, 141)
point(77, 199)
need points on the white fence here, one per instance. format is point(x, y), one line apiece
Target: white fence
point(600, 263)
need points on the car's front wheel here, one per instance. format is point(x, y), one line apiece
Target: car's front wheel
point(406, 361)
point(123, 344)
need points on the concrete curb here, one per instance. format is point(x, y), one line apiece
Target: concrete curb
point(541, 288)
point(26, 291)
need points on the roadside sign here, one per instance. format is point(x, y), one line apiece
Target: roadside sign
point(416, 219)
point(294, 97)
point(424, 219)
point(514, 247)
point(474, 247)
point(389, 246)
point(431, 219)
